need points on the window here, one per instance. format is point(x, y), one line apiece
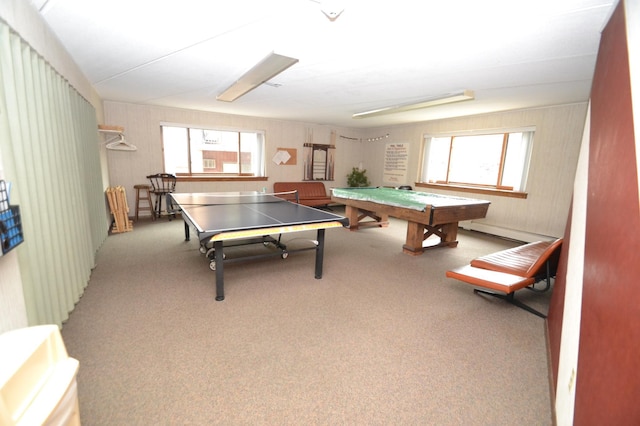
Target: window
point(497, 161)
point(209, 152)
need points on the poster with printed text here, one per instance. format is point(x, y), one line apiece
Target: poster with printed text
point(396, 158)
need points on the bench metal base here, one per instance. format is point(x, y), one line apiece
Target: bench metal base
point(510, 297)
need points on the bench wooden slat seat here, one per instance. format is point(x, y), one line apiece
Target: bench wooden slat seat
point(494, 280)
point(310, 193)
point(524, 260)
point(510, 270)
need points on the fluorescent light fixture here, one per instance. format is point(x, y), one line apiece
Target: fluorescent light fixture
point(262, 72)
point(463, 95)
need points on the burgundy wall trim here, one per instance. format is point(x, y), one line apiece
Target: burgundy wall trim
point(608, 379)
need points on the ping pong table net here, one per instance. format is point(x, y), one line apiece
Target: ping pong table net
point(240, 198)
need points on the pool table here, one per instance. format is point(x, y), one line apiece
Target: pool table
point(426, 214)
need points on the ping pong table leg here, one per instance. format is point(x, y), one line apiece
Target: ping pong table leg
point(319, 253)
point(217, 245)
point(186, 231)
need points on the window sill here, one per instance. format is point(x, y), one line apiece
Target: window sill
point(474, 190)
point(222, 178)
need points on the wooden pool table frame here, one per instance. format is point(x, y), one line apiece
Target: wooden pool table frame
point(440, 221)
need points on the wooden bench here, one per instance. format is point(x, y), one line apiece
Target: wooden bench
point(513, 269)
point(309, 193)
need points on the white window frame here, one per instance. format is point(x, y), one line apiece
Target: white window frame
point(231, 172)
point(523, 162)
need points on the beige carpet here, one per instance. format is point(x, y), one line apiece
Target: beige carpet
point(382, 339)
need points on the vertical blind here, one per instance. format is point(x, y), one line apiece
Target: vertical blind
point(49, 145)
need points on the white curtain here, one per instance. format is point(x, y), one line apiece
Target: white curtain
point(49, 145)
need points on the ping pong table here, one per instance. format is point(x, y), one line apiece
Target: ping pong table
point(227, 219)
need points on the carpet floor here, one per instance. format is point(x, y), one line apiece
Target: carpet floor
point(382, 339)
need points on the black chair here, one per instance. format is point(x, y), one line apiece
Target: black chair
point(161, 185)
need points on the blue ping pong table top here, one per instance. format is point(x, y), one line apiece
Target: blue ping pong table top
point(218, 212)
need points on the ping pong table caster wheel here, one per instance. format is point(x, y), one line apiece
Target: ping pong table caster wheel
point(284, 255)
point(211, 254)
point(212, 265)
point(203, 249)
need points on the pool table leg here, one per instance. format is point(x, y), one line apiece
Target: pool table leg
point(356, 218)
point(418, 232)
point(450, 237)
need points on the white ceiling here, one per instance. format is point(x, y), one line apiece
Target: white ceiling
point(511, 53)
